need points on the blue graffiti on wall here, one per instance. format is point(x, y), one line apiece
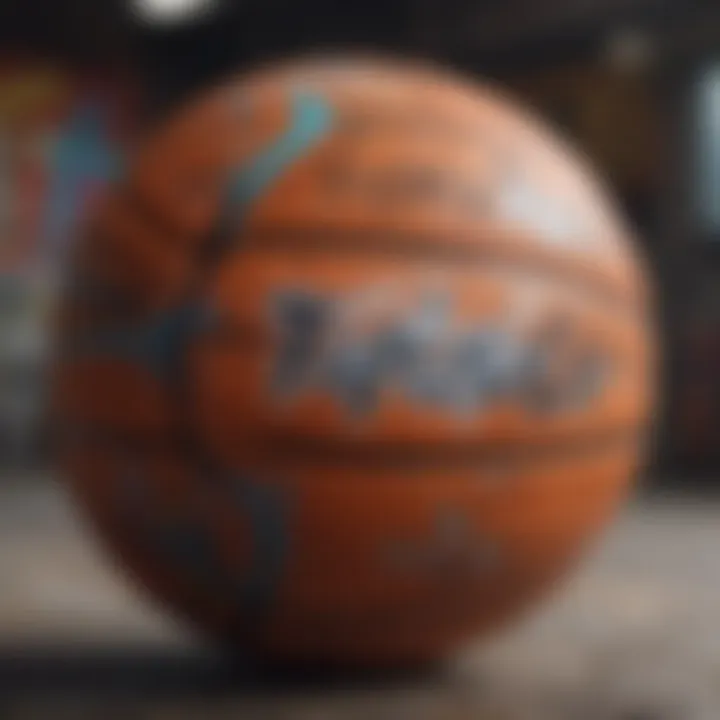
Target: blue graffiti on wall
point(85, 158)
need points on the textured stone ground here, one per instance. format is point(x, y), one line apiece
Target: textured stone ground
point(634, 636)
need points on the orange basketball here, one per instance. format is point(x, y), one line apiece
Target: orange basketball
point(354, 363)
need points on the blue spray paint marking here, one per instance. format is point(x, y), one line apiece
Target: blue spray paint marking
point(190, 547)
point(267, 514)
point(312, 119)
point(159, 346)
point(83, 157)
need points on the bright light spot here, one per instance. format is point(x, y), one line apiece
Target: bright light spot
point(172, 11)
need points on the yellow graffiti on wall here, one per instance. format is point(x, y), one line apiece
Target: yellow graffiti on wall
point(29, 94)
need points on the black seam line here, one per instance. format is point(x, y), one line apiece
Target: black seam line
point(383, 455)
point(153, 218)
point(432, 247)
point(415, 245)
point(413, 454)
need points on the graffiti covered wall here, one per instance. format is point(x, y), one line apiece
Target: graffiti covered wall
point(61, 141)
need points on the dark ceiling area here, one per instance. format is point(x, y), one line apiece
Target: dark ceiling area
point(460, 28)
point(490, 36)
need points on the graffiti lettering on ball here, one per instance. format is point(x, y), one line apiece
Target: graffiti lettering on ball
point(430, 359)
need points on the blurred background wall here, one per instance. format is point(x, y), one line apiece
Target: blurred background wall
point(636, 83)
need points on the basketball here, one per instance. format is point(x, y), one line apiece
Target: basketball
point(355, 362)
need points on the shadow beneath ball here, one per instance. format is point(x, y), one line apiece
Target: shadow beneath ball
point(45, 675)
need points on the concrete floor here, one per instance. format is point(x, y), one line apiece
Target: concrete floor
point(634, 636)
